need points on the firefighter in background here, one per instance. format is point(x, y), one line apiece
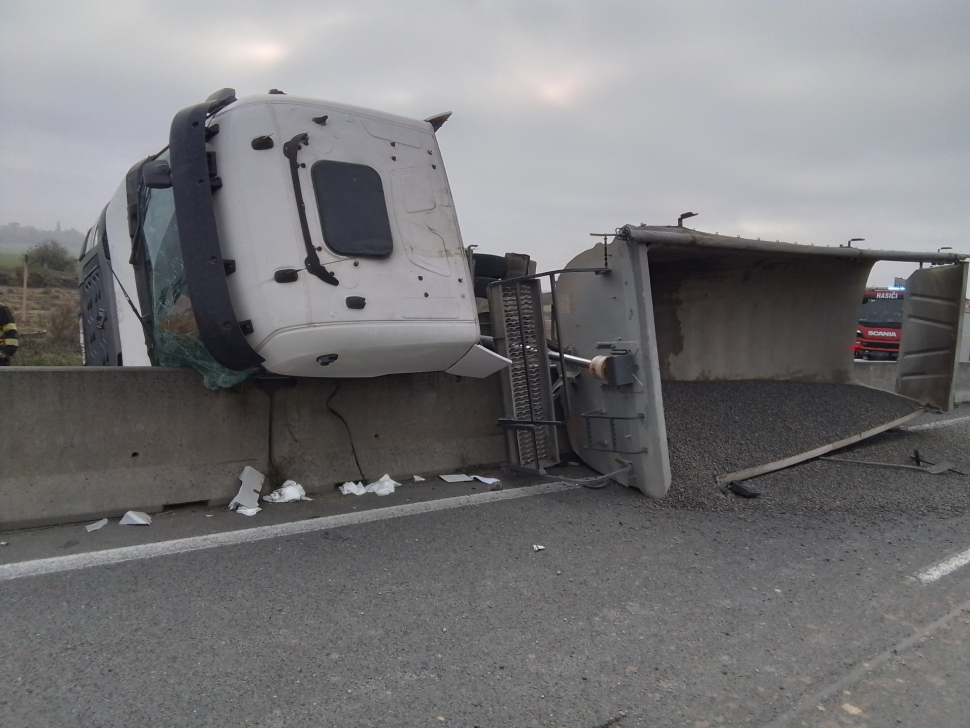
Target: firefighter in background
point(8, 336)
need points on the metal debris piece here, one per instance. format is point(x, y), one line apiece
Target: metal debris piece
point(933, 469)
point(742, 489)
point(919, 460)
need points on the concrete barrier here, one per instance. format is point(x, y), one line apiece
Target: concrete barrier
point(84, 443)
point(882, 375)
point(401, 424)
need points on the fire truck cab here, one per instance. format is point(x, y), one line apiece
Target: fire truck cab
point(880, 324)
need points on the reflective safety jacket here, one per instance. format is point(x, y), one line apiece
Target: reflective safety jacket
point(8, 333)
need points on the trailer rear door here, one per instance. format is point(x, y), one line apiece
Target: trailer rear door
point(932, 325)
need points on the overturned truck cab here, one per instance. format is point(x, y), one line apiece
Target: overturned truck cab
point(284, 235)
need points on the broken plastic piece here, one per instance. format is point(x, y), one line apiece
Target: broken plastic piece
point(135, 518)
point(418, 479)
point(743, 489)
point(96, 525)
point(487, 481)
point(289, 492)
point(537, 547)
point(384, 486)
point(456, 478)
point(248, 511)
point(248, 495)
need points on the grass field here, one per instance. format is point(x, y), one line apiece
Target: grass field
point(49, 331)
point(10, 261)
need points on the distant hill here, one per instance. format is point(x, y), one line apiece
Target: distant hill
point(17, 238)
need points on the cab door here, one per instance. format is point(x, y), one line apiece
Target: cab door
point(932, 328)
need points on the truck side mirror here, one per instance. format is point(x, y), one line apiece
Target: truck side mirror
point(157, 175)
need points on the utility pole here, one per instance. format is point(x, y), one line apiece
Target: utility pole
point(23, 304)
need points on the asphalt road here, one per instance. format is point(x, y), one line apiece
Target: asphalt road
point(692, 612)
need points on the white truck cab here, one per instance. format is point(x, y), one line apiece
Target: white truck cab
point(287, 235)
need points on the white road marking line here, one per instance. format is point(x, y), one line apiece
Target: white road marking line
point(865, 668)
point(928, 576)
point(936, 425)
point(56, 564)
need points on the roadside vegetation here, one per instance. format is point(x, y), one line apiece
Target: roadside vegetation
point(48, 329)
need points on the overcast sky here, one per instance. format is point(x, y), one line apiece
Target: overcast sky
point(812, 122)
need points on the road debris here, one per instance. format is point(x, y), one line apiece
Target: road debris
point(418, 479)
point(384, 486)
point(456, 478)
point(537, 547)
point(486, 480)
point(289, 492)
point(135, 518)
point(247, 499)
point(742, 489)
point(931, 468)
point(4, 543)
point(96, 525)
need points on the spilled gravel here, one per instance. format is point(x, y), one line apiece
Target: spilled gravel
point(719, 427)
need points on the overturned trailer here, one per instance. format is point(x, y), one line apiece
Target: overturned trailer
point(657, 306)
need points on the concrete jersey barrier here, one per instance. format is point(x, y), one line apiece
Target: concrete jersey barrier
point(92, 442)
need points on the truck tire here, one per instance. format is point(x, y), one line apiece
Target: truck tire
point(490, 266)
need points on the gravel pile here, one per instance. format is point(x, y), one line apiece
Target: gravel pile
point(721, 427)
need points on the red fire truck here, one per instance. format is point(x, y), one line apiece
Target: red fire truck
point(880, 323)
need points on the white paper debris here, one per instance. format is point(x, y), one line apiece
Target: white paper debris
point(537, 547)
point(418, 479)
point(289, 492)
point(384, 486)
point(4, 543)
point(208, 515)
point(456, 478)
point(135, 518)
point(248, 495)
point(487, 481)
point(349, 488)
point(96, 525)
point(248, 511)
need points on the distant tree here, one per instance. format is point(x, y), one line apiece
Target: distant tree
point(50, 254)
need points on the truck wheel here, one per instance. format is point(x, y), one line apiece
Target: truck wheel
point(490, 266)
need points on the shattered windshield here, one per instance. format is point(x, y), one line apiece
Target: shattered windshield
point(881, 312)
point(175, 335)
